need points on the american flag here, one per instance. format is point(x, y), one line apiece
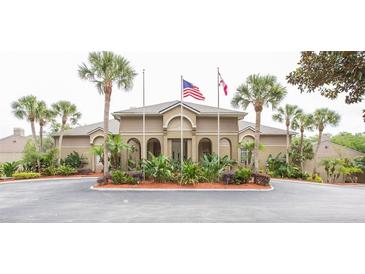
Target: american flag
point(224, 85)
point(190, 90)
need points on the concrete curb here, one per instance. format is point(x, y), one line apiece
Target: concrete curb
point(185, 190)
point(46, 179)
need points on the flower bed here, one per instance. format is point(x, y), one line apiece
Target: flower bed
point(154, 185)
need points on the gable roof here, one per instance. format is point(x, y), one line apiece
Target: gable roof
point(88, 129)
point(264, 130)
point(159, 109)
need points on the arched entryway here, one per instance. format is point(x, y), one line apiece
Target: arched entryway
point(134, 153)
point(204, 147)
point(246, 149)
point(225, 148)
point(153, 147)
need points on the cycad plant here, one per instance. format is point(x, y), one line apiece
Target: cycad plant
point(106, 69)
point(213, 166)
point(258, 91)
point(288, 114)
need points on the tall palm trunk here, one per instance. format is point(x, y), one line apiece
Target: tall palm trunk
point(317, 149)
point(107, 92)
point(41, 137)
point(301, 149)
point(258, 109)
point(60, 143)
point(287, 142)
point(32, 125)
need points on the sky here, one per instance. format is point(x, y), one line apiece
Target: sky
point(52, 76)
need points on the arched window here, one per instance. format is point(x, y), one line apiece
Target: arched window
point(153, 147)
point(225, 148)
point(134, 154)
point(204, 147)
point(246, 149)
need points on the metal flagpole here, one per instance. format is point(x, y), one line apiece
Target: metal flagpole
point(144, 128)
point(218, 116)
point(181, 128)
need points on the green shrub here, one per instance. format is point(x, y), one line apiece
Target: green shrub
point(9, 168)
point(242, 175)
point(159, 168)
point(50, 171)
point(26, 175)
point(277, 167)
point(75, 160)
point(66, 170)
point(120, 177)
point(213, 166)
point(351, 173)
point(192, 173)
point(315, 178)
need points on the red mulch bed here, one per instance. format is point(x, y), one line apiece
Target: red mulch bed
point(150, 184)
point(288, 180)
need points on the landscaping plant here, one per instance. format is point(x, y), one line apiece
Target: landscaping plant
point(242, 175)
point(120, 177)
point(192, 173)
point(159, 168)
point(9, 168)
point(66, 170)
point(75, 160)
point(213, 166)
point(26, 175)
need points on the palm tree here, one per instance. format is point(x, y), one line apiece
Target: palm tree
point(249, 146)
point(302, 122)
point(115, 146)
point(43, 116)
point(321, 118)
point(288, 114)
point(106, 69)
point(25, 108)
point(259, 91)
point(69, 114)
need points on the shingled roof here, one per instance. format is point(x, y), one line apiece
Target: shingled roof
point(87, 129)
point(264, 130)
point(159, 109)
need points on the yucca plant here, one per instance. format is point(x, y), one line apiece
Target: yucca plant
point(9, 168)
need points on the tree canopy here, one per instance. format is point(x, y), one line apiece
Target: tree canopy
point(354, 141)
point(331, 73)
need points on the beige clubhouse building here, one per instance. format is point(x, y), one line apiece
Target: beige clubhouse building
point(162, 134)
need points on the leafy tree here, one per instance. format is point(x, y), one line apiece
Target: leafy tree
point(69, 114)
point(321, 118)
point(300, 151)
point(106, 69)
point(288, 114)
point(302, 122)
point(25, 108)
point(331, 73)
point(258, 91)
point(354, 141)
point(43, 116)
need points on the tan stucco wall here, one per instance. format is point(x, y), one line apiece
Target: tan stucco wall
point(329, 150)
point(11, 148)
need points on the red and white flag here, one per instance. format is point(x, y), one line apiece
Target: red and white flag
point(224, 85)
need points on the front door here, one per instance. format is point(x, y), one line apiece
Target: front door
point(176, 148)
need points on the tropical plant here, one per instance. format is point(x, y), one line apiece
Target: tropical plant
point(106, 69)
point(242, 175)
point(302, 122)
point(277, 167)
point(249, 146)
point(9, 168)
point(66, 170)
point(25, 108)
point(331, 73)
point(26, 175)
point(50, 171)
point(287, 114)
point(213, 166)
point(75, 160)
point(192, 173)
point(333, 169)
point(351, 173)
point(360, 163)
point(115, 146)
point(43, 116)
point(301, 150)
point(120, 177)
point(321, 118)
point(258, 91)
point(68, 114)
point(98, 151)
point(158, 167)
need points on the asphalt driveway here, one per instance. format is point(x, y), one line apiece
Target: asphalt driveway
point(73, 201)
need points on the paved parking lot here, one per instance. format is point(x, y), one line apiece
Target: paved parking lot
point(74, 201)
